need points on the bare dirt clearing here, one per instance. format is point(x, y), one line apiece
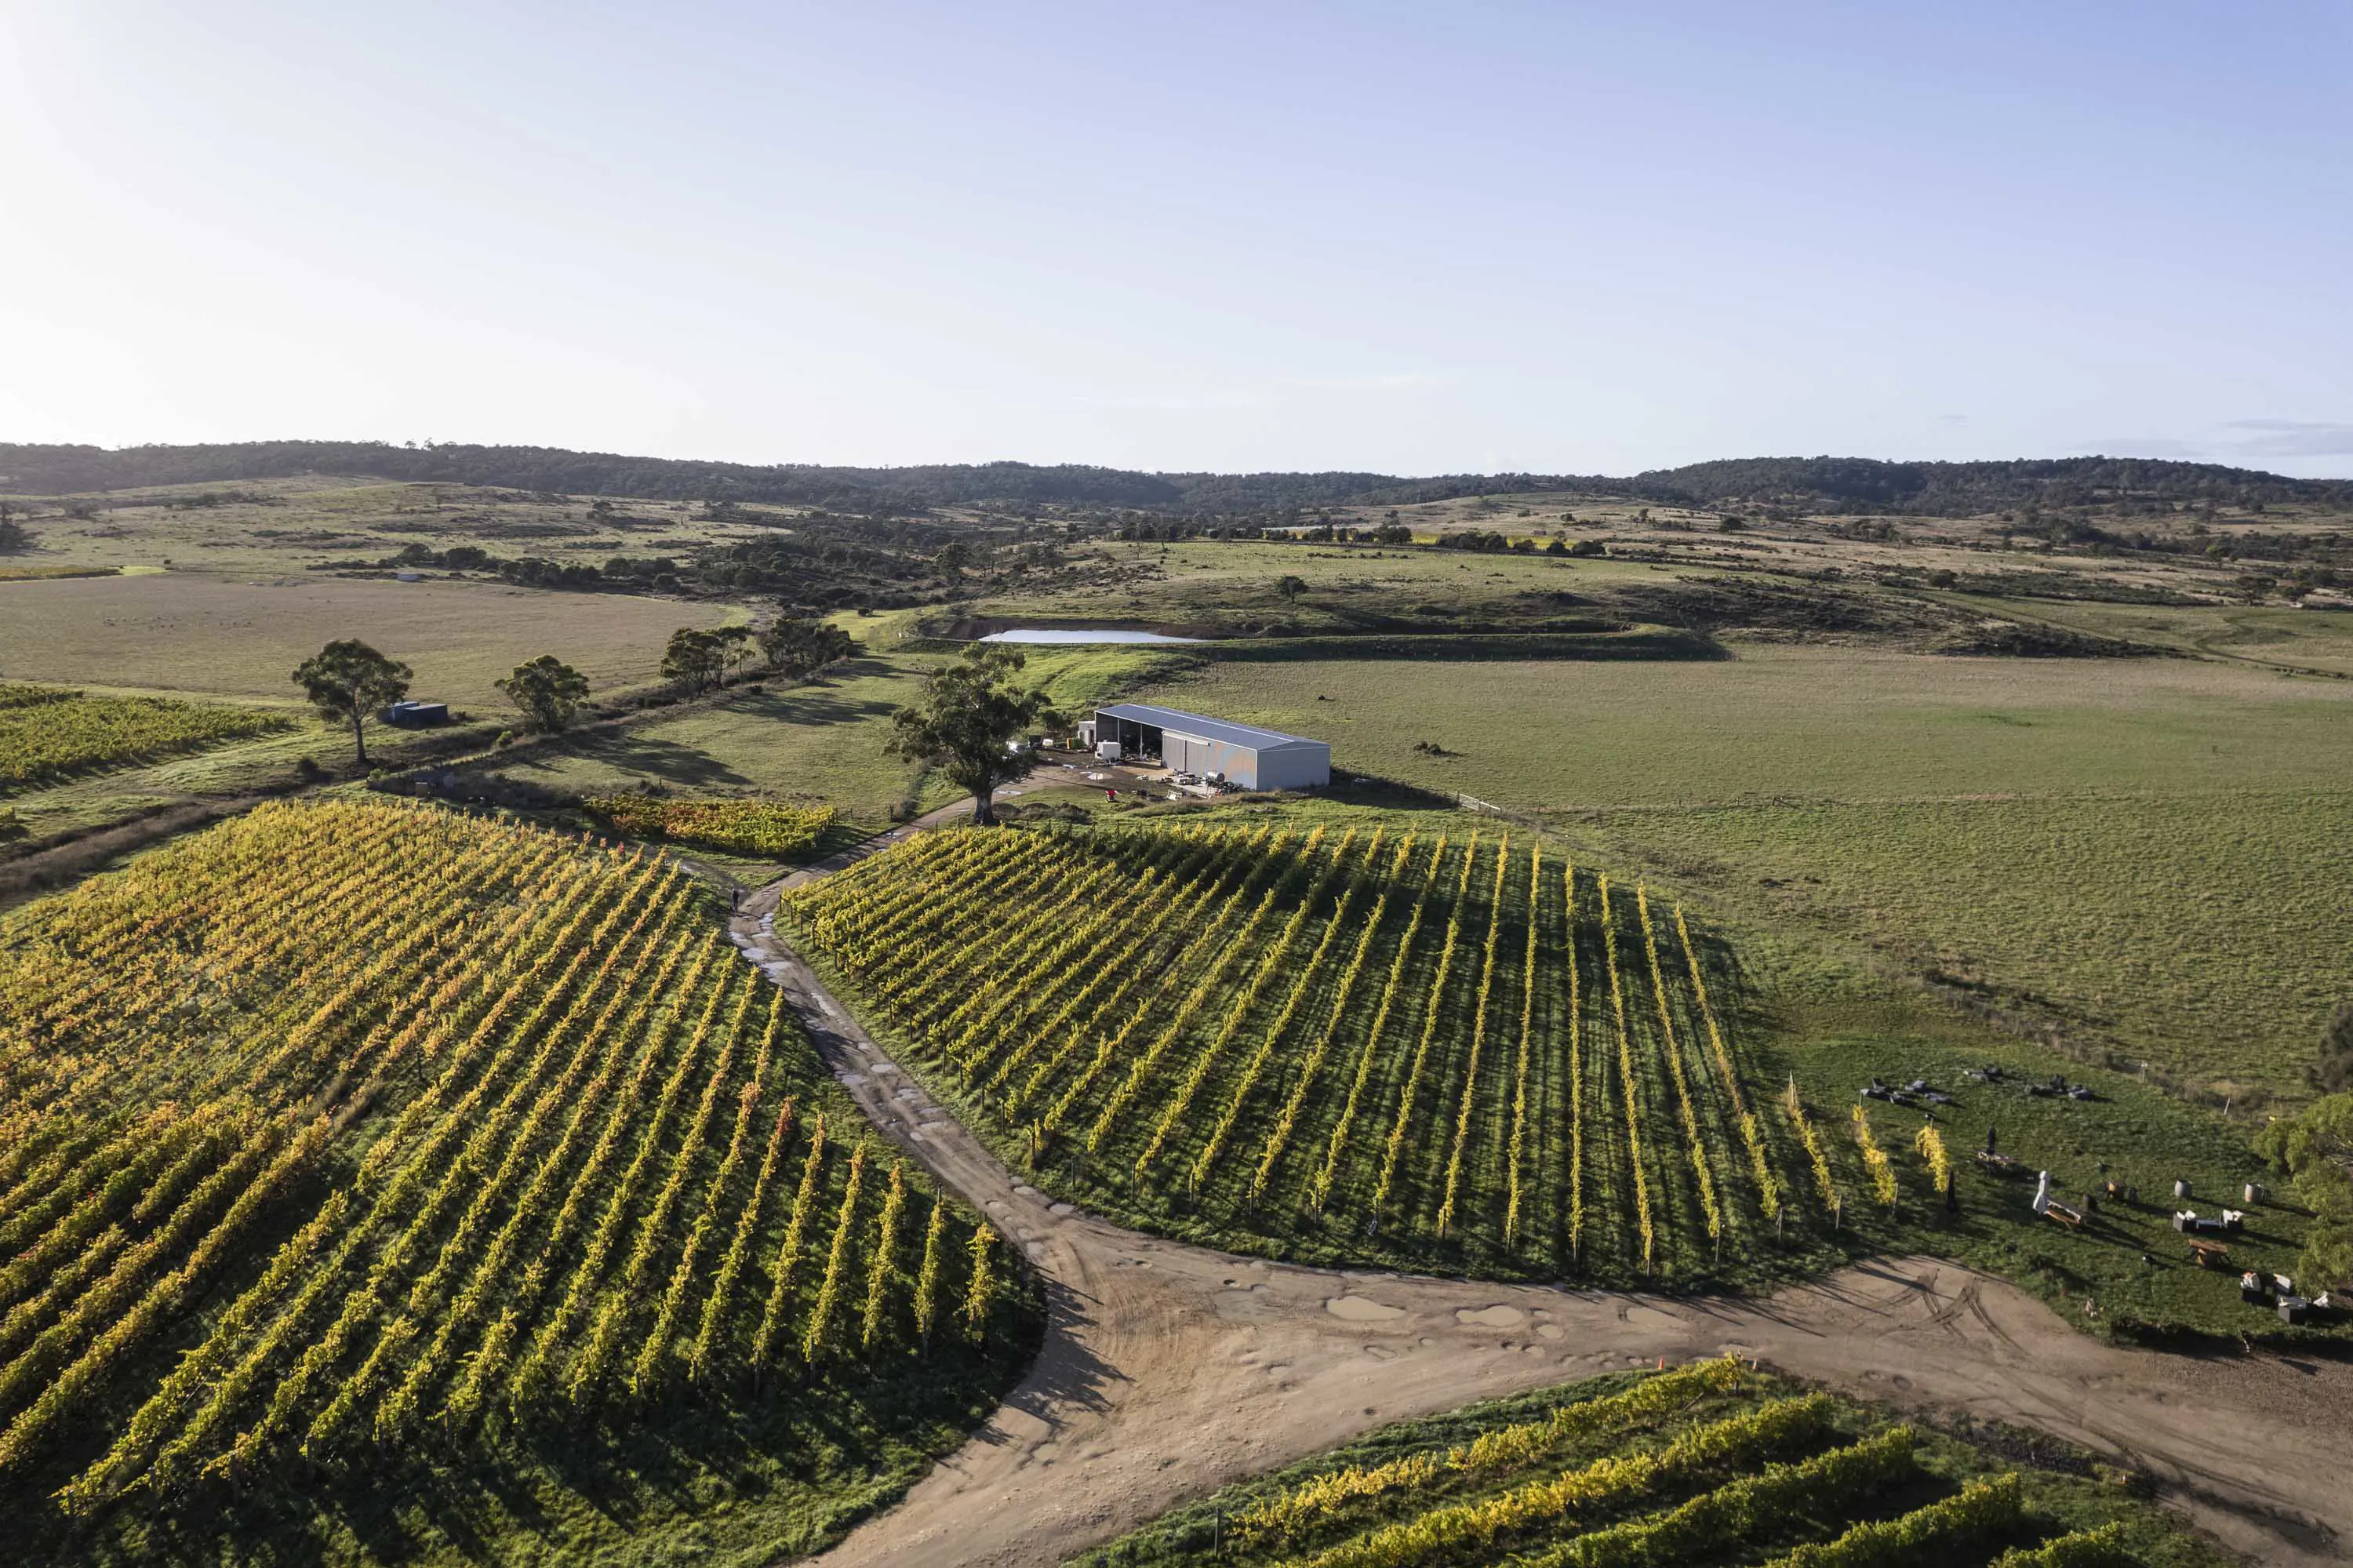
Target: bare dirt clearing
point(1169, 1369)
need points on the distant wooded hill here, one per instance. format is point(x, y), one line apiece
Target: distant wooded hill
point(1822, 483)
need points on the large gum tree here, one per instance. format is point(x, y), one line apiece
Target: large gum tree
point(960, 723)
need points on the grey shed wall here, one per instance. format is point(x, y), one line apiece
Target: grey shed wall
point(1294, 768)
point(1193, 743)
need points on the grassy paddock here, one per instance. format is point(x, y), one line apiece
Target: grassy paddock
point(2143, 855)
point(822, 738)
point(227, 636)
point(1230, 590)
point(2262, 634)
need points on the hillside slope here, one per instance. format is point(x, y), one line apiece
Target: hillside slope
point(1824, 482)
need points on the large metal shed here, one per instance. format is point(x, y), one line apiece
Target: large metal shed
point(1252, 757)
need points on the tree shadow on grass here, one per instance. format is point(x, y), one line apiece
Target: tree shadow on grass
point(664, 759)
point(1389, 794)
point(806, 1456)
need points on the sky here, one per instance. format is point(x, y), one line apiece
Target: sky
point(1554, 237)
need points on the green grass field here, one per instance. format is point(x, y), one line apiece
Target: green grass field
point(262, 527)
point(823, 739)
point(1229, 590)
point(178, 633)
point(386, 1184)
point(2145, 854)
point(1701, 1464)
point(2264, 634)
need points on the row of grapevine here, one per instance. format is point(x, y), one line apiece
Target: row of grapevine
point(1646, 1229)
point(1514, 1151)
point(1576, 1034)
point(1874, 1158)
point(1817, 1156)
point(1752, 1137)
point(1311, 1068)
point(1315, 1037)
point(1745, 1509)
point(1777, 1426)
point(510, 1117)
point(1332, 1497)
point(1694, 1146)
point(1930, 1144)
point(1392, 988)
point(1469, 1099)
point(1982, 1509)
point(1403, 1125)
point(1239, 1010)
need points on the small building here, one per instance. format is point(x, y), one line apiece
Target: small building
point(1245, 755)
point(411, 715)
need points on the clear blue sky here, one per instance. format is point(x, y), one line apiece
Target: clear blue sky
point(1410, 239)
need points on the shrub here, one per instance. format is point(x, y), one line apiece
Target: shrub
point(769, 830)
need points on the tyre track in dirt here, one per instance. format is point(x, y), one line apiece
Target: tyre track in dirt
point(1170, 1370)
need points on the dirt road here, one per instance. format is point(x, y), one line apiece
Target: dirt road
point(1170, 1370)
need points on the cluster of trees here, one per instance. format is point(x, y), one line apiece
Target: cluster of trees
point(1339, 533)
point(2313, 1149)
point(348, 681)
point(831, 560)
point(1822, 483)
point(14, 535)
point(824, 562)
point(1969, 489)
point(960, 723)
point(1480, 540)
point(790, 645)
point(622, 574)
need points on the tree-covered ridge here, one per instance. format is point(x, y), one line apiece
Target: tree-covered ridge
point(1816, 484)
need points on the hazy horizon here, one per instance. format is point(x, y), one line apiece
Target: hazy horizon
point(1507, 238)
point(627, 455)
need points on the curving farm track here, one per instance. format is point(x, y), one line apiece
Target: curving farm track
point(1170, 1370)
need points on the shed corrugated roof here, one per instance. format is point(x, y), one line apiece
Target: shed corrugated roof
point(1203, 727)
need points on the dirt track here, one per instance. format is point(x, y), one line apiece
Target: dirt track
point(1170, 1370)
